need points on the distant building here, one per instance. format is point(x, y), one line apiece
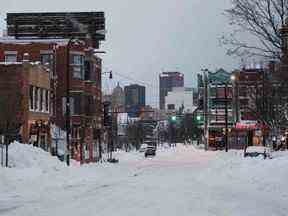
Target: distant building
point(217, 84)
point(180, 97)
point(118, 98)
point(134, 99)
point(168, 80)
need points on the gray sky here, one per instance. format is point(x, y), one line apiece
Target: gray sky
point(148, 36)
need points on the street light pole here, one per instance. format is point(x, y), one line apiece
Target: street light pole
point(226, 119)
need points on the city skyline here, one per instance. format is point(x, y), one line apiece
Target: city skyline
point(172, 36)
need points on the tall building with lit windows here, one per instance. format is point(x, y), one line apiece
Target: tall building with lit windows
point(167, 81)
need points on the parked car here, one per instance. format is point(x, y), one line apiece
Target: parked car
point(219, 143)
point(150, 151)
point(255, 151)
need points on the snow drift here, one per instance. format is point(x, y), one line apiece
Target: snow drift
point(22, 156)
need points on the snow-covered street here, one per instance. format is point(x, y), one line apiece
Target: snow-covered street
point(179, 181)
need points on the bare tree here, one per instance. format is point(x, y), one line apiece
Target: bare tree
point(261, 19)
point(269, 103)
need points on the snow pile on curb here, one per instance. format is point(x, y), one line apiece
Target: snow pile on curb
point(234, 170)
point(22, 156)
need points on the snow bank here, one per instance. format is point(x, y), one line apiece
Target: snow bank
point(234, 170)
point(22, 156)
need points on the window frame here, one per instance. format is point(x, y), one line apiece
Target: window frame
point(77, 65)
point(10, 53)
point(51, 61)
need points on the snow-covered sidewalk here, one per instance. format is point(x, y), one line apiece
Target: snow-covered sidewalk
point(179, 181)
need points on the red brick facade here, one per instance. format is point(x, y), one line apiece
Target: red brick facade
point(85, 91)
point(16, 81)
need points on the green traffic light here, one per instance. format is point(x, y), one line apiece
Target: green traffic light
point(198, 118)
point(173, 118)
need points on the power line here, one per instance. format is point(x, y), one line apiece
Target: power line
point(135, 80)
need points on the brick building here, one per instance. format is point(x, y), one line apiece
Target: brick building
point(219, 94)
point(28, 87)
point(84, 87)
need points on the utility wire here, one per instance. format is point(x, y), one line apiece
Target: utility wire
point(135, 80)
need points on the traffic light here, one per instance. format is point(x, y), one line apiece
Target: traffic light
point(198, 119)
point(173, 118)
point(107, 115)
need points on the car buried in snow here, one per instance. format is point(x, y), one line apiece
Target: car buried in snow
point(150, 151)
point(256, 151)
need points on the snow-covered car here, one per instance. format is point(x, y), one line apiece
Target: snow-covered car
point(150, 151)
point(143, 147)
point(255, 151)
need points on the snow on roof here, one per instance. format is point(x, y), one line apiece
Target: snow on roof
point(13, 40)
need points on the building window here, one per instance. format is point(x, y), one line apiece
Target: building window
point(31, 98)
point(10, 57)
point(41, 100)
point(95, 151)
point(47, 101)
point(171, 106)
point(72, 105)
point(77, 65)
point(86, 151)
point(88, 70)
point(47, 59)
point(36, 97)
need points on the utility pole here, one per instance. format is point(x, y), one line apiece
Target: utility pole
point(263, 104)
point(205, 107)
point(226, 118)
point(68, 102)
point(6, 152)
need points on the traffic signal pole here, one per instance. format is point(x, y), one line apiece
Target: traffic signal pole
point(226, 119)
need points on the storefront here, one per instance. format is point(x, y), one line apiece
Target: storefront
point(39, 134)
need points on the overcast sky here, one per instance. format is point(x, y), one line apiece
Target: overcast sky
point(148, 36)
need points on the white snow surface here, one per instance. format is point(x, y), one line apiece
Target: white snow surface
point(23, 156)
point(178, 181)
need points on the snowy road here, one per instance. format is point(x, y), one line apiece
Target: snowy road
point(181, 181)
